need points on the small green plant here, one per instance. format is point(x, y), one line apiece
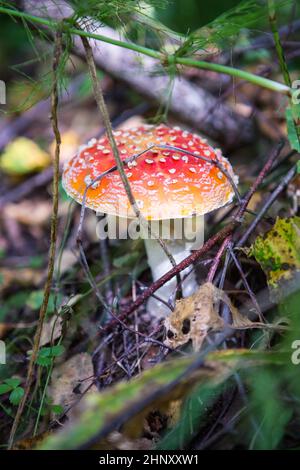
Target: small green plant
point(12, 386)
point(47, 354)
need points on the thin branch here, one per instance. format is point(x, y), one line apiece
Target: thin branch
point(217, 259)
point(53, 237)
point(245, 282)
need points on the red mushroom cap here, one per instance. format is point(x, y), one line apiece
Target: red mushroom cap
point(165, 183)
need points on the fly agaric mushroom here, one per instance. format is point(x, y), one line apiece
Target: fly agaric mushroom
point(173, 175)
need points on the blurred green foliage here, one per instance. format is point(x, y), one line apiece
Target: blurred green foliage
point(185, 16)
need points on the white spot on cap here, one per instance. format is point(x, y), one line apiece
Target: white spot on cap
point(193, 170)
point(150, 183)
point(220, 175)
point(175, 157)
point(92, 142)
point(106, 151)
point(148, 160)
point(162, 160)
point(172, 171)
point(88, 180)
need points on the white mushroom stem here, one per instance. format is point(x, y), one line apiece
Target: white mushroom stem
point(180, 248)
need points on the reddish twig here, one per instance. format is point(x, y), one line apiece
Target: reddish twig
point(217, 259)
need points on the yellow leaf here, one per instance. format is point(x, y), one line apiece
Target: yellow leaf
point(23, 156)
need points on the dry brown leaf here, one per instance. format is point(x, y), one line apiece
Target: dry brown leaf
point(20, 276)
point(51, 330)
point(3, 329)
point(29, 212)
point(198, 314)
point(31, 442)
point(70, 379)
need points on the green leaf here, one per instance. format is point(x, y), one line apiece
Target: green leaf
point(5, 388)
point(13, 382)
point(270, 413)
point(14, 302)
point(278, 251)
point(46, 355)
point(36, 261)
point(292, 116)
point(57, 409)
point(35, 301)
point(9, 384)
point(17, 300)
point(44, 361)
point(52, 351)
point(16, 395)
